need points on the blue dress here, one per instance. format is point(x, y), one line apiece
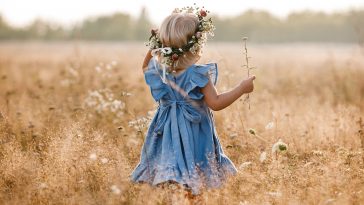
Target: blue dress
point(181, 144)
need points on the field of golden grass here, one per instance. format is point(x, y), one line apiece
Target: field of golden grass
point(74, 115)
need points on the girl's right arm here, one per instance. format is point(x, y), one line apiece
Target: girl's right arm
point(217, 101)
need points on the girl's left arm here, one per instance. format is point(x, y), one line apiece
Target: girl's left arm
point(146, 60)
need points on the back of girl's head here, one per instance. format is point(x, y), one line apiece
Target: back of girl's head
point(175, 31)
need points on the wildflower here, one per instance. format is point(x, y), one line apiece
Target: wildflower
point(73, 72)
point(151, 113)
point(174, 57)
point(103, 101)
point(93, 156)
point(269, 126)
point(263, 157)
point(233, 135)
point(98, 69)
point(253, 132)
point(275, 194)
point(203, 13)
point(104, 160)
point(43, 186)
point(279, 146)
point(66, 82)
point(114, 63)
point(245, 165)
point(308, 164)
point(198, 35)
point(117, 105)
point(125, 93)
point(329, 201)
point(167, 50)
point(317, 152)
point(115, 189)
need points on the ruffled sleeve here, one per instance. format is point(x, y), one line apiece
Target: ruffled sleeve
point(199, 78)
point(154, 79)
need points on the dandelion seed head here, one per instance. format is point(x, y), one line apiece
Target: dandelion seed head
point(279, 146)
point(252, 131)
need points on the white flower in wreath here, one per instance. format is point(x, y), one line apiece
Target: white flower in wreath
point(167, 50)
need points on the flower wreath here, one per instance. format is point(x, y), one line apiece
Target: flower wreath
point(170, 55)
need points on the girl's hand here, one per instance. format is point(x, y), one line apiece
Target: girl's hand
point(217, 101)
point(247, 85)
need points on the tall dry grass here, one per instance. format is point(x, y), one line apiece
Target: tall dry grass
point(73, 118)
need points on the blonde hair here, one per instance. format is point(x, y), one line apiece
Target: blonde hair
point(175, 31)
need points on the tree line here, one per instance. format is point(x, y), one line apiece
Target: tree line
point(259, 26)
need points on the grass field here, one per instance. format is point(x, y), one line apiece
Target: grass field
point(73, 118)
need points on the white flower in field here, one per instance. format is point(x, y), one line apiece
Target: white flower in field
point(263, 157)
point(233, 135)
point(93, 156)
point(117, 105)
point(98, 69)
point(115, 189)
point(308, 164)
point(245, 165)
point(275, 194)
point(43, 186)
point(151, 113)
point(269, 126)
point(66, 82)
point(125, 93)
point(73, 72)
point(108, 67)
point(132, 142)
point(329, 201)
point(114, 63)
point(317, 152)
point(104, 160)
point(279, 146)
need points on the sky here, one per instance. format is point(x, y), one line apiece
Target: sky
point(68, 12)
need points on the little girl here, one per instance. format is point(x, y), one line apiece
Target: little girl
point(181, 144)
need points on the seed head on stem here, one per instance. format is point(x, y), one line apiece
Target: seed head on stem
point(246, 65)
